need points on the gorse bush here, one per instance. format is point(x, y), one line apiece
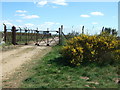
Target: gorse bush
point(85, 48)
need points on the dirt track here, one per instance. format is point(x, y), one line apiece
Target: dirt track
point(13, 59)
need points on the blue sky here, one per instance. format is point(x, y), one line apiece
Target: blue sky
point(73, 15)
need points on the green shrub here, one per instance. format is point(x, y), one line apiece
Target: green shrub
point(84, 48)
point(116, 54)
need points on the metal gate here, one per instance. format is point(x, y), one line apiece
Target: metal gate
point(26, 36)
point(48, 37)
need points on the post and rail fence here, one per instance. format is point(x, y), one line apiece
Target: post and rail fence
point(25, 36)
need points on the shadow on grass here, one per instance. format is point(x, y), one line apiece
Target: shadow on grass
point(61, 61)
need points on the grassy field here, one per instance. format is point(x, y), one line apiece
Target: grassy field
point(50, 72)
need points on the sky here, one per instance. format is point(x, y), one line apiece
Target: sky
point(52, 14)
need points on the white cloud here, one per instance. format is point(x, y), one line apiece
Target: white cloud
point(42, 3)
point(21, 11)
point(94, 23)
point(30, 16)
point(27, 16)
point(59, 2)
point(97, 13)
point(86, 16)
point(18, 20)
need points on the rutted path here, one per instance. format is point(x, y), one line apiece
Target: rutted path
point(12, 60)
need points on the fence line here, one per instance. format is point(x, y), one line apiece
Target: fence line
point(25, 36)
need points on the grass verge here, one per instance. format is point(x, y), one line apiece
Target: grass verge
point(50, 72)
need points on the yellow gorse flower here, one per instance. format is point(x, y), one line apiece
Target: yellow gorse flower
point(89, 48)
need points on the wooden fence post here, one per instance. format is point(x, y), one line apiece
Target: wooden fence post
point(20, 34)
point(26, 36)
point(5, 32)
point(14, 35)
point(102, 29)
point(59, 36)
point(47, 33)
point(37, 36)
point(83, 30)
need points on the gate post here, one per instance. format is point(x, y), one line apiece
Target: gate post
point(14, 35)
point(102, 29)
point(83, 30)
point(26, 36)
point(47, 33)
point(59, 36)
point(5, 33)
point(20, 34)
point(37, 35)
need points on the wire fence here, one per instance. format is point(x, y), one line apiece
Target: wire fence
point(26, 36)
